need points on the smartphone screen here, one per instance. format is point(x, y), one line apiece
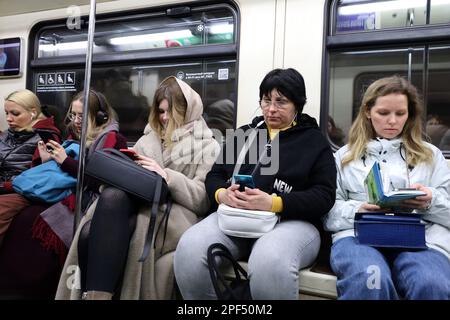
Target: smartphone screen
point(244, 181)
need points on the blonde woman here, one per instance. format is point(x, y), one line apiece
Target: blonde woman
point(388, 129)
point(178, 145)
point(18, 148)
point(52, 227)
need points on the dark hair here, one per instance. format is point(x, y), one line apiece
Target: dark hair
point(289, 82)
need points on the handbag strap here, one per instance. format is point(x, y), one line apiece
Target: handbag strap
point(219, 250)
point(151, 227)
point(165, 220)
point(244, 150)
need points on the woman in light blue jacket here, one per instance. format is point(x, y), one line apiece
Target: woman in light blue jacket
point(388, 129)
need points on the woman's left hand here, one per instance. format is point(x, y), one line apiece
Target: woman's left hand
point(254, 199)
point(152, 165)
point(422, 202)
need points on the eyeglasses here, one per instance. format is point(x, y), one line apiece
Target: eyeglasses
point(73, 116)
point(278, 103)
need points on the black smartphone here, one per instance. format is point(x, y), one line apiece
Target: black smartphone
point(45, 135)
point(243, 181)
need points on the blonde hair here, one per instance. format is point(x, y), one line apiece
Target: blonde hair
point(171, 91)
point(30, 102)
point(94, 128)
point(362, 130)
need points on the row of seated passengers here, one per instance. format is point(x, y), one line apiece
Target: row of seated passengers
point(319, 191)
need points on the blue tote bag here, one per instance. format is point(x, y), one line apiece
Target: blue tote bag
point(47, 182)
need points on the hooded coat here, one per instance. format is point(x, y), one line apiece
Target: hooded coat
point(186, 163)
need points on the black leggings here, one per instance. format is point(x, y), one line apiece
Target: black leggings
point(109, 238)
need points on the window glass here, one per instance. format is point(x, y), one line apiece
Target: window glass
point(438, 97)
point(130, 89)
point(440, 11)
point(141, 33)
point(352, 72)
point(361, 15)
point(129, 80)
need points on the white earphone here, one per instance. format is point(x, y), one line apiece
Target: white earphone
point(33, 115)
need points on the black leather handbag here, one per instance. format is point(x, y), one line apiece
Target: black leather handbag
point(112, 167)
point(236, 287)
point(116, 169)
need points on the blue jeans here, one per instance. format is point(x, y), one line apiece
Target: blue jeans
point(365, 272)
point(273, 266)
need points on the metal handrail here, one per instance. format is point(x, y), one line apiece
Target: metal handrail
point(87, 84)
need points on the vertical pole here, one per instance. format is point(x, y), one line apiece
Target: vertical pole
point(410, 53)
point(87, 84)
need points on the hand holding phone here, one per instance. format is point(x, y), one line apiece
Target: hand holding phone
point(243, 181)
point(130, 153)
point(46, 136)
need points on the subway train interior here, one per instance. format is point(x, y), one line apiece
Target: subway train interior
point(223, 49)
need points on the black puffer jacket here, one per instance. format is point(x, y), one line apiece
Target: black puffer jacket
point(16, 152)
point(306, 175)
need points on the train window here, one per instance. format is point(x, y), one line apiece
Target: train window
point(357, 16)
point(421, 55)
point(440, 11)
point(133, 53)
point(144, 33)
point(354, 71)
point(438, 97)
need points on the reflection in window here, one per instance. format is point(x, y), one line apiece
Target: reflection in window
point(438, 97)
point(358, 15)
point(200, 28)
point(130, 90)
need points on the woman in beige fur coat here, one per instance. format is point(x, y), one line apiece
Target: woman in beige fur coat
point(178, 145)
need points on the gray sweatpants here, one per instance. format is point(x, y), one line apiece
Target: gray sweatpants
point(273, 264)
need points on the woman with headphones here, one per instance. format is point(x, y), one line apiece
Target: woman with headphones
point(18, 150)
point(52, 227)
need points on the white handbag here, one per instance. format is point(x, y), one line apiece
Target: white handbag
point(245, 223)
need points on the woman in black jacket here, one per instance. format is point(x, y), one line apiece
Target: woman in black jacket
point(18, 148)
point(295, 178)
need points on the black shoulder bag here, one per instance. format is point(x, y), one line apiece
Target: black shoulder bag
point(236, 289)
point(116, 169)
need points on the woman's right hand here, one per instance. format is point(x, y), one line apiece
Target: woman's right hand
point(57, 152)
point(228, 196)
point(366, 207)
point(43, 153)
